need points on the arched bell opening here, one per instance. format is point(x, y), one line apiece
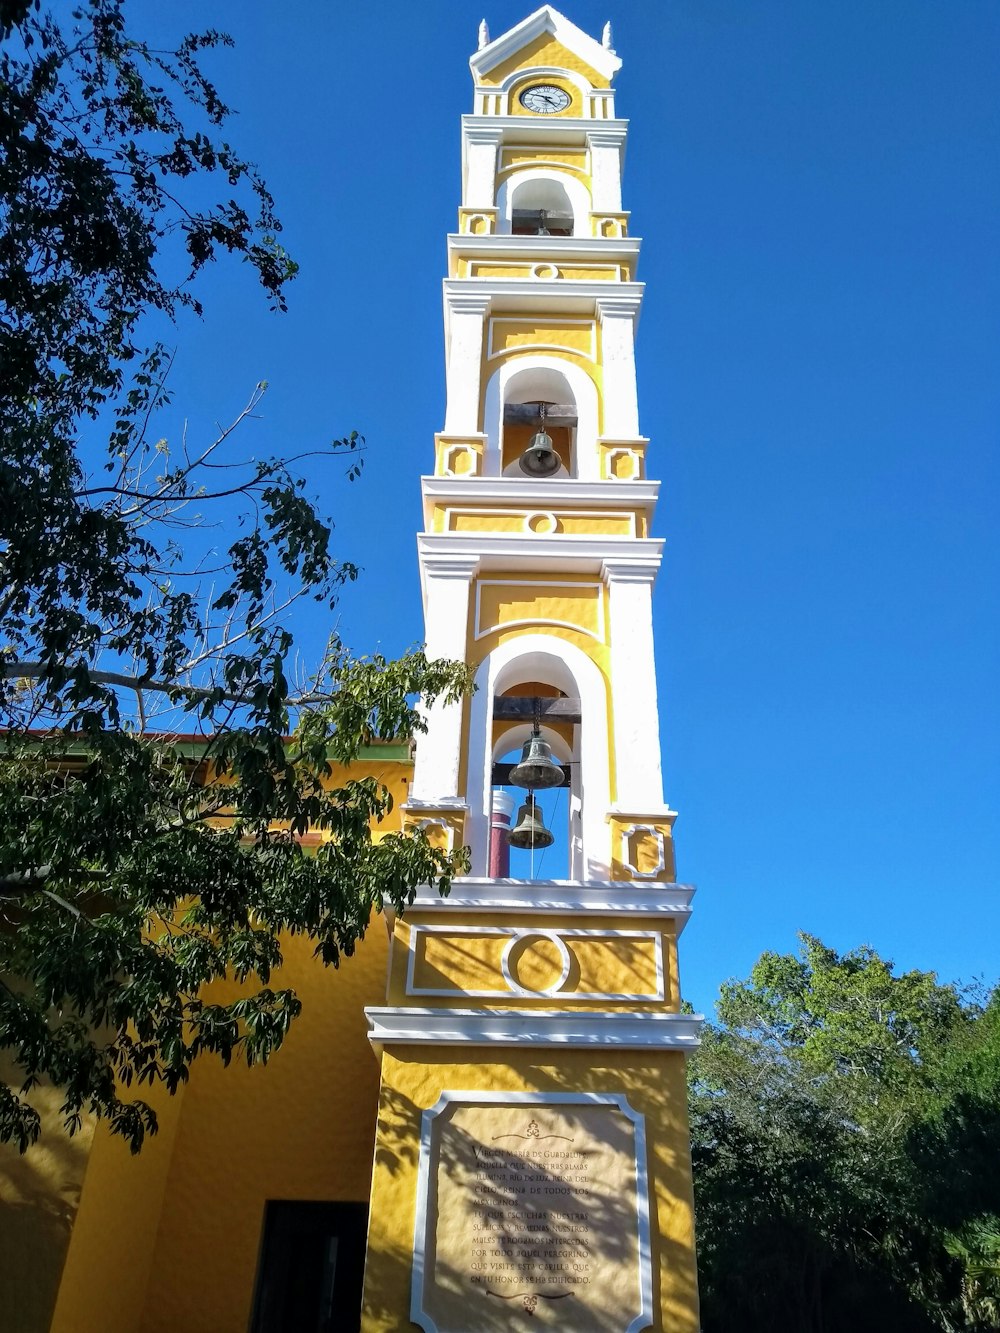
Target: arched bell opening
point(537, 842)
point(541, 202)
point(574, 716)
point(512, 415)
point(538, 401)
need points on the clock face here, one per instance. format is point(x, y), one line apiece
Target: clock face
point(545, 98)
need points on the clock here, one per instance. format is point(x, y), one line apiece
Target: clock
point(545, 98)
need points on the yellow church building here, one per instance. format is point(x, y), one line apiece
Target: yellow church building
point(478, 1123)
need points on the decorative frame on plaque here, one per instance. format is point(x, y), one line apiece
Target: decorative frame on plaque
point(529, 1203)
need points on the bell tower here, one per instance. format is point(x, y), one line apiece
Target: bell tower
point(532, 1158)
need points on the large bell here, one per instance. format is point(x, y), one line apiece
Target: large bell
point(529, 832)
point(539, 459)
point(536, 767)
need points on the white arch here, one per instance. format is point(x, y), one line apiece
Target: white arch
point(543, 657)
point(537, 71)
point(576, 191)
point(583, 390)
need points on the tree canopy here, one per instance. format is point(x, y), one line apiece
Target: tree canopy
point(134, 870)
point(845, 1127)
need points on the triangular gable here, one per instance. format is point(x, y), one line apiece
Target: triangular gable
point(546, 23)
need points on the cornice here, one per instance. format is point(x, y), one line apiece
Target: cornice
point(498, 244)
point(543, 295)
point(513, 1027)
point(566, 129)
point(558, 897)
point(534, 553)
point(559, 491)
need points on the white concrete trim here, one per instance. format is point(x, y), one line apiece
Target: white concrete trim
point(565, 959)
point(573, 1029)
point(496, 246)
point(424, 1212)
point(519, 933)
point(479, 632)
point(657, 834)
point(543, 656)
point(559, 897)
point(635, 492)
point(563, 552)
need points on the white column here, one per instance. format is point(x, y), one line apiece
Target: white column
point(447, 583)
point(606, 152)
point(635, 721)
point(466, 326)
point(481, 143)
point(618, 315)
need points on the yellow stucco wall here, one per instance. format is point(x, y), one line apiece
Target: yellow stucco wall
point(412, 1081)
point(543, 50)
point(169, 1241)
point(39, 1199)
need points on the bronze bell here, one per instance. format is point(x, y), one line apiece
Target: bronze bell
point(536, 767)
point(539, 459)
point(529, 831)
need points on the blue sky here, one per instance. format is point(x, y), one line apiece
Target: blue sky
point(818, 188)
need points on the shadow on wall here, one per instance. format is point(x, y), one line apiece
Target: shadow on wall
point(39, 1197)
point(652, 1088)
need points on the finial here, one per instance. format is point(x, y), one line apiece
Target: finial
point(484, 35)
point(606, 41)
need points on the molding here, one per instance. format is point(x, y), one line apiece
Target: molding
point(569, 1030)
point(446, 805)
point(540, 295)
point(487, 131)
point(423, 1212)
point(466, 302)
point(562, 552)
point(560, 492)
point(565, 897)
point(629, 571)
point(448, 565)
point(573, 131)
point(502, 245)
point(516, 935)
point(619, 304)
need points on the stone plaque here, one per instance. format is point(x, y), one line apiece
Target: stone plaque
point(532, 1211)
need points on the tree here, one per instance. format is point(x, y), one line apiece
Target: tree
point(831, 1108)
point(132, 870)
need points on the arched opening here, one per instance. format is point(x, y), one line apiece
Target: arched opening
point(537, 664)
point(510, 414)
point(541, 207)
point(541, 202)
point(524, 393)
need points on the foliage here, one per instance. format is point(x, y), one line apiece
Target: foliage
point(137, 866)
point(831, 1108)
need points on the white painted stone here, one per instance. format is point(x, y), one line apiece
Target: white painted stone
point(466, 323)
point(618, 317)
point(606, 149)
point(447, 583)
point(633, 683)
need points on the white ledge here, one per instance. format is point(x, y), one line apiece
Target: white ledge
point(574, 1030)
point(616, 897)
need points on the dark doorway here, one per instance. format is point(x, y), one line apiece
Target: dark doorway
point(311, 1268)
